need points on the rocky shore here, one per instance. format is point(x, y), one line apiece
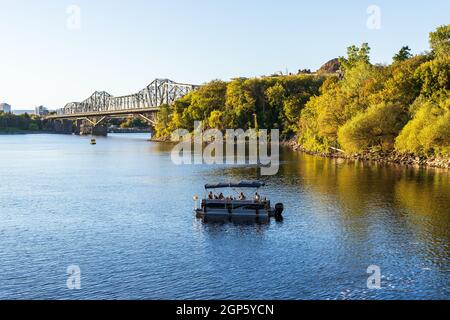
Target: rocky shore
point(129, 130)
point(379, 157)
point(23, 132)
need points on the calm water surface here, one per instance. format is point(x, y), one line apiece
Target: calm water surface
point(123, 212)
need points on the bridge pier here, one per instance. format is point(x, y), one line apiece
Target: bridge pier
point(100, 130)
point(86, 127)
point(63, 126)
point(78, 124)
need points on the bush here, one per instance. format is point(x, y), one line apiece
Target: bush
point(428, 133)
point(434, 75)
point(377, 128)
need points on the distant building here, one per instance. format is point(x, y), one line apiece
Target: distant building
point(41, 111)
point(6, 108)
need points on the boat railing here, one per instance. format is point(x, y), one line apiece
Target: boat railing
point(225, 203)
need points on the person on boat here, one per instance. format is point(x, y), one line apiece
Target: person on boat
point(211, 196)
point(221, 196)
point(242, 196)
point(257, 197)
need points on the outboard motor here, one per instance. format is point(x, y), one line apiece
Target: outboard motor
point(279, 208)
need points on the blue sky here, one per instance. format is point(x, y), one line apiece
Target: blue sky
point(122, 46)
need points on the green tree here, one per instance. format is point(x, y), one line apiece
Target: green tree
point(440, 40)
point(375, 129)
point(434, 75)
point(338, 103)
point(428, 133)
point(355, 55)
point(276, 96)
point(215, 120)
point(240, 104)
point(163, 121)
point(403, 54)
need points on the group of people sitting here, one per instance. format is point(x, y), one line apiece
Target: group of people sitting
point(241, 197)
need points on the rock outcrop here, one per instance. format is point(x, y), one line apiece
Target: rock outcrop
point(332, 66)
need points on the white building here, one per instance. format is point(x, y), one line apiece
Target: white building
point(6, 108)
point(41, 111)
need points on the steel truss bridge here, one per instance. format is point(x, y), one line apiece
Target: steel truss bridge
point(146, 103)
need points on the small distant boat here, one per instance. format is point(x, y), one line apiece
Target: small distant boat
point(258, 207)
point(93, 141)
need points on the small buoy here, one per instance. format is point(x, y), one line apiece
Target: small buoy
point(93, 141)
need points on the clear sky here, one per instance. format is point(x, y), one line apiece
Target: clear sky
point(121, 46)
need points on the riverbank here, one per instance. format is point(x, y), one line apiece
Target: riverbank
point(379, 157)
point(129, 130)
point(19, 132)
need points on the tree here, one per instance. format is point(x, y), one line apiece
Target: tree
point(434, 75)
point(275, 95)
point(403, 55)
point(376, 128)
point(292, 108)
point(355, 55)
point(339, 102)
point(215, 120)
point(440, 40)
point(401, 85)
point(163, 121)
point(134, 123)
point(428, 133)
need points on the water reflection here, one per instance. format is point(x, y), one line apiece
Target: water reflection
point(375, 201)
point(237, 221)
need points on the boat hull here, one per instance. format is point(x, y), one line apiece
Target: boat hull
point(234, 213)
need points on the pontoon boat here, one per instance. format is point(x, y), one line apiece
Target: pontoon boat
point(239, 206)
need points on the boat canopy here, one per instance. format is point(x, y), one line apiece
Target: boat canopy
point(242, 184)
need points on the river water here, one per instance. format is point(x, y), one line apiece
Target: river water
point(122, 212)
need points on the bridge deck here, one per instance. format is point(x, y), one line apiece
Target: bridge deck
point(101, 113)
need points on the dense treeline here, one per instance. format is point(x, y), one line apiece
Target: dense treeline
point(24, 122)
point(274, 101)
point(404, 106)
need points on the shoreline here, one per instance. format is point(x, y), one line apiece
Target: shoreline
point(393, 158)
point(13, 133)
